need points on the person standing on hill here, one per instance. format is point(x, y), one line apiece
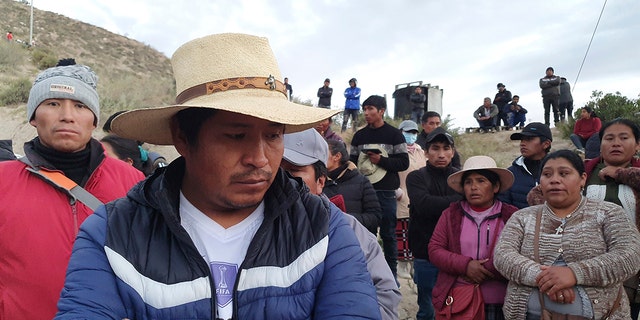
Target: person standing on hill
point(352, 105)
point(501, 100)
point(417, 99)
point(566, 100)
point(324, 94)
point(550, 85)
point(39, 220)
point(9, 36)
point(380, 151)
point(289, 89)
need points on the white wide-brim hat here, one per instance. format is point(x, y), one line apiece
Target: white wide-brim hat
point(232, 72)
point(480, 163)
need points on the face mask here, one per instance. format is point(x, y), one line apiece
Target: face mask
point(410, 137)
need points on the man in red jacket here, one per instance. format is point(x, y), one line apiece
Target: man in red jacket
point(39, 221)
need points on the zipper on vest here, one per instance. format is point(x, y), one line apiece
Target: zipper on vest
point(74, 212)
point(488, 228)
point(478, 246)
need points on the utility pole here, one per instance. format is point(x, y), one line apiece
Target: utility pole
point(31, 25)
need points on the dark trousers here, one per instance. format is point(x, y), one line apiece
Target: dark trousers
point(568, 107)
point(424, 276)
point(389, 204)
point(488, 124)
point(353, 113)
point(548, 103)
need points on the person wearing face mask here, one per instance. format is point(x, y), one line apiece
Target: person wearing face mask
point(417, 160)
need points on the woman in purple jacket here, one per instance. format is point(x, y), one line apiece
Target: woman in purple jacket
point(463, 240)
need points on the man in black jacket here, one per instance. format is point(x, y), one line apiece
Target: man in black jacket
point(429, 195)
point(381, 152)
point(550, 86)
point(324, 94)
point(502, 98)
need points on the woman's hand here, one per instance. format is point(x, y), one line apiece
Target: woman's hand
point(564, 296)
point(553, 279)
point(608, 171)
point(476, 272)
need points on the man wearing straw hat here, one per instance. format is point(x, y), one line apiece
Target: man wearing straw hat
point(222, 232)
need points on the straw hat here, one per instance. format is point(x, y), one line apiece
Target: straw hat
point(480, 163)
point(373, 172)
point(232, 72)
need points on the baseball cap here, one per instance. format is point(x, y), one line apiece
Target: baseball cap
point(305, 147)
point(408, 125)
point(327, 80)
point(534, 129)
point(500, 85)
point(439, 131)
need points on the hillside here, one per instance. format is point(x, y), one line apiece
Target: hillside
point(131, 74)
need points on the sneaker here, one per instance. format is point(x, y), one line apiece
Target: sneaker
point(580, 152)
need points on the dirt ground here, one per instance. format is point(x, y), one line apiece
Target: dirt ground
point(408, 305)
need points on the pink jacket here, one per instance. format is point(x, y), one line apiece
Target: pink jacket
point(445, 249)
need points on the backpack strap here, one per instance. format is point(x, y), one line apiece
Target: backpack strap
point(60, 181)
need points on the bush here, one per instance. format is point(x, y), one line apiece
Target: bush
point(44, 58)
point(10, 56)
point(613, 105)
point(607, 107)
point(16, 92)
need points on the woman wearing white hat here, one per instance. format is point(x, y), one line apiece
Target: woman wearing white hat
point(463, 241)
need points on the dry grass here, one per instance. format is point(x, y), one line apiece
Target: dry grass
point(131, 73)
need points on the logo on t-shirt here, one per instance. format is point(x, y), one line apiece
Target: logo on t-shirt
point(224, 277)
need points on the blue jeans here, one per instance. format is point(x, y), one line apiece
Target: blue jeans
point(389, 204)
point(424, 276)
point(578, 141)
point(416, 116)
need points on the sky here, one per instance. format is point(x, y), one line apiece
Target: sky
point(464, 47)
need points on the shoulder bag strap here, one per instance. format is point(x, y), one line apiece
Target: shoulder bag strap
point(65, 184)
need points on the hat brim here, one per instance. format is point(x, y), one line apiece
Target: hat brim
point(519, 135)
point(153, 125)
point(505, 176)
point(297, 158)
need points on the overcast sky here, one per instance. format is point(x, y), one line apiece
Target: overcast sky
point(464, 47)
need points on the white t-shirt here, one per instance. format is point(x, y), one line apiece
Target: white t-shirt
point(223, 249)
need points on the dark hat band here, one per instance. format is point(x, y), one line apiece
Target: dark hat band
point(268, 83)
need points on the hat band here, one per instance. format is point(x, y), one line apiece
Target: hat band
point(268, 83)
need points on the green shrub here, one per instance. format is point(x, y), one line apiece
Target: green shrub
point(44, 58)
point(16, 92)
point(614, 105)
point(10, 56)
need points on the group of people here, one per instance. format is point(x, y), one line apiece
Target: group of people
point(267, 214)
point(549, 237)
point(505, 110)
